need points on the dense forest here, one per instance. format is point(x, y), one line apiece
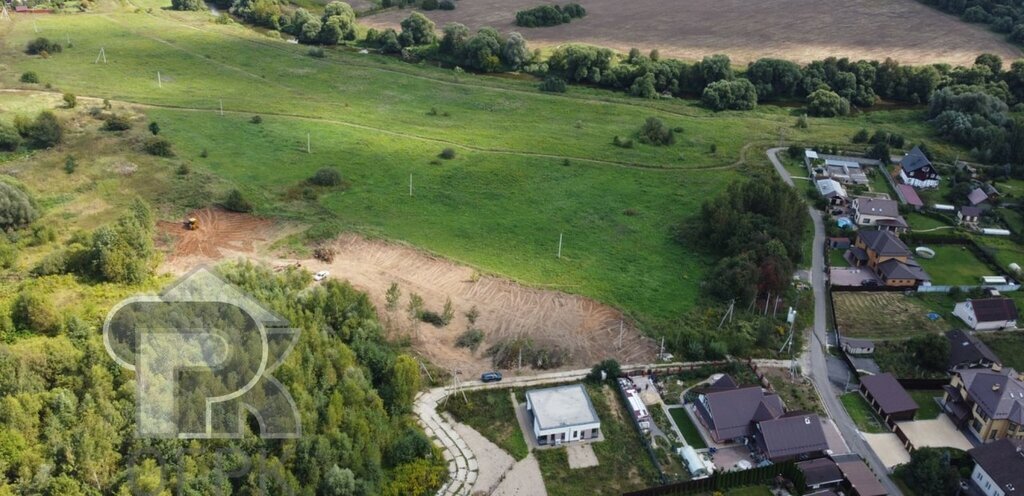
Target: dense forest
point(67, 411)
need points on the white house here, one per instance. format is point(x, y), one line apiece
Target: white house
point(998, 468)
point(988, 313)
point(885, 214)
point(562, 414)
point(917, 171)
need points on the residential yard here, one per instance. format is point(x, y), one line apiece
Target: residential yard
point(624, 463)
point(921, 222)
point(835, 258)
point(861, 413)
point(894, 356)
point(879, 184)
point(686, 426)
point(925, 399)
point(878, 315)
point(953, 265)
point(1004, 249)
point(492, 414)
point(1007, 345)
point(797, 394)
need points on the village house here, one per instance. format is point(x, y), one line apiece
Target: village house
point(966, 351)
point(988, 313)
point(887, 397)
point(998, 467)
point(793, 436)
point(917, 171)
point(888, 257)
point(884, 214)
point(988, 402)
point(832, 191)
point(729, 411)
point(968, 216)
point(562, 414)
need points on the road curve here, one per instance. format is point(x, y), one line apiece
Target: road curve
point(816, 348)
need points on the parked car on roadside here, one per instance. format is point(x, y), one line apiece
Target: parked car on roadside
point(490, 377)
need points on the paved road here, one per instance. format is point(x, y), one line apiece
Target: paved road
point(819, 371)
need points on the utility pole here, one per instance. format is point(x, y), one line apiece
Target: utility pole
point(621, 330)
point(308, 149)
point(410, 184)
point(559, 245)
point(159, 80)
point(4, 15)
point(35, 26)
point(728, 313)
point(101, 55)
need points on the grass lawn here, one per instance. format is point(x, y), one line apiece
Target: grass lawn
point(919, 222)
point(861, 413)
point(896, 357)
point(1004, 249)
point(953, 265)
point(749, 491)
point(1008, 346)
point(925, 399)
point(835, 258)
point(372, 117)
point(798, 394)
point(883, 315)
point(687, 427)
point(879, 184)
point(491, 413)
point(624, 463)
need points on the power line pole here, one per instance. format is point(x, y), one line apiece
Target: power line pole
point(159, 80)
point(308, 138)
point(559, 245)
point(410, 184)
point(101, 55)
point(4, 15)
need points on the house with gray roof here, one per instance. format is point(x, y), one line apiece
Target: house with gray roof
point(988, 402)
point(917, 171)
point(793, 436)
point(966, 351)
point(729, 413)
point(977, 196)
point(998, 467)
point(562, 414)
point(882, 213)
point(820, 473)
point(968, 215)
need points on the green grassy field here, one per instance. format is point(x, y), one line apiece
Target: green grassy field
point(862, 414)
point(919, 222)
point(1008, 346)
point(954, 265)
point(491, 413)
point(687, 427)
point(500, 205)
point(925, 399)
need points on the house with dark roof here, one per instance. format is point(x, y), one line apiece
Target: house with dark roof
point(729, 411)
point(966, 351)
point(884, 214)
point(998, 467)
point(820, 473)
point(793, 436)
point(910, 195)
point(917, 171)
point(988, 314)
point(968, 216)
point(887, 397)
point(888, 257)
point(988, 402)
point(859, 478)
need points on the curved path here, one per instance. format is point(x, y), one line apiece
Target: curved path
point(815, 354)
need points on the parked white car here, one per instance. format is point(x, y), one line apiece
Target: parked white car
point(320, 276)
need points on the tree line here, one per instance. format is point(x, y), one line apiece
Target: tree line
point(1002, 16)
point(549, 15)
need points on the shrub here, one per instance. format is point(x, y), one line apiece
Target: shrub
point(29, 77)
point(324, 254)
point(42, 132)
point(446, 5)
point(256, 119)
point(470, 339)
point(316, 52)
point(655, 132)
point(117, 122)
point(429, 5)
point(433, 318)
point(35, 312)
point(70, 100)
point(610, 367)
point(825, 103)
point(9, 138)
point(52, 264)
point(861, 136)
point(549, 15)
point(187, 5)
point(70, 165)
point(795, 152)
point(553, 84)
point(17, 209)
point(158, 147)
point(622, 143)
point(154, 128)
point(447, 153)
point(236, 202)
point(42, 45)
point(802, 122)
point(738, 94)
point(8, 253)
point(326, 176)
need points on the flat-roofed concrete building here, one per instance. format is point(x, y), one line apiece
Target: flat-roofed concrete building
point(562, 414)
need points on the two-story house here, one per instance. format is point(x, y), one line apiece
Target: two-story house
point(998, 467)
point(879, 212)
point(888, 257)
point(988, 402)
point(917, 171)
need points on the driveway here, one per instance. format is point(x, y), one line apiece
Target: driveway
point(889, 449)
point(852, 276)
point(935, 433)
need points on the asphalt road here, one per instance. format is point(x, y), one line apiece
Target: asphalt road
point(819, 372)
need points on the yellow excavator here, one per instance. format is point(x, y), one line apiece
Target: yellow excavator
point(192, 223)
